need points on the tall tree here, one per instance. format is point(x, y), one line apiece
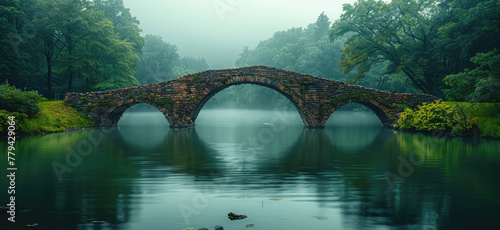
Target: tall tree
point(473, 27)
point(49, 39)
point(400, 33)
point(125, 25)
point(156, 61)
point(17, 63)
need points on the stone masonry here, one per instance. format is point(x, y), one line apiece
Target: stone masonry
point(181, 99)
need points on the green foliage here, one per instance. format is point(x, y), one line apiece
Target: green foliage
point(487, 116)
point(306, 80)
point(428, 117)
point(55, 117)
point(61, 45)
point(406, 120)
point(399, 33)
point(156, 61)
point(103, 103)
point(4, 120)
point(16, 100)
point(465, 118)
point(471, 27)
point(163, 102)
point(17, 63)
point(481, 84)
point(401, 106)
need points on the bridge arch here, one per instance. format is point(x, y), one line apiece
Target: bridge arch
point(377, 108)
point(114, 113)
point(276, 86)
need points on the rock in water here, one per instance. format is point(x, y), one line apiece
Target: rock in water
point(218, 227)
point(233, 216)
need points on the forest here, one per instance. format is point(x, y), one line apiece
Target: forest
point(447, 48)
point(58, 46)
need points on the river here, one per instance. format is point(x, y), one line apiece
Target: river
point(353, 174)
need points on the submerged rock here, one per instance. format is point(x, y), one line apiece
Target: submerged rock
point(218, 227)
point(233, 216)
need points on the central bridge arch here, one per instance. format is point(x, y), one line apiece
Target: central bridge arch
point(182, 99)
point(251, 81)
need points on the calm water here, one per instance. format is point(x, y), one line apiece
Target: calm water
point(143, 175)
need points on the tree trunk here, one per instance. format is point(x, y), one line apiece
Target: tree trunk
point(49, 77)
point(70, 67)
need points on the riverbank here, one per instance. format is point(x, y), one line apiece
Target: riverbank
point(488, 116)
point(55, 116)
point(454, 118)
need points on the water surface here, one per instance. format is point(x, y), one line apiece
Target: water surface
point(264, 164)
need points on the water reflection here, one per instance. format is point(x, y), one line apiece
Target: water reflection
point(137, 178)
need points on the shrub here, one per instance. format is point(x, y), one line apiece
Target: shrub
point(401, 106)
point(405, 121)
point(428, 117)
point(15, 100)
point(4, 119)
point(432, 116)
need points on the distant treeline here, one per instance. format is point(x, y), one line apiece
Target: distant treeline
point(55, 46)
point(447, 48)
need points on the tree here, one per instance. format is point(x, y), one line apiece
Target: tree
point(321, 26)
point(481, 84)
point(17, 64)
point(187, 65)
point(400, 33)
point(156, 61)
point(49, 40)
point(125, 25)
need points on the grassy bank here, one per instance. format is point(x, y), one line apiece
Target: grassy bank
point(488, 116)
point(54, 116)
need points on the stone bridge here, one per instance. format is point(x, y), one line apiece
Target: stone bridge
point(181, 99)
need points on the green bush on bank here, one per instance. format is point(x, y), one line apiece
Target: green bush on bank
point(4, 119)
point(466, 118)
point(428, 117)
point(16, 100)
point(487, 116)
point(55, 116)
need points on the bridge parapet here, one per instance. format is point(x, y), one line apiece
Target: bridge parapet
point(181, 99)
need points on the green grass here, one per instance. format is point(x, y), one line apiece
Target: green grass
point(488, 115)
point(55, 116)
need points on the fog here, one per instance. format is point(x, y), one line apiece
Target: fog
point(217, 30)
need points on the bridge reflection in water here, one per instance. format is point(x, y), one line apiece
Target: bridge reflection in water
point(137, 179)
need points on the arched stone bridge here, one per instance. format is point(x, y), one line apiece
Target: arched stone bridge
point(181, 99)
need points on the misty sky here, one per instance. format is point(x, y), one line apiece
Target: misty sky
point(219, 29)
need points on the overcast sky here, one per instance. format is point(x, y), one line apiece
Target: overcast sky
point(219, 29)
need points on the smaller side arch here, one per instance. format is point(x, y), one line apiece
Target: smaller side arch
point(113, 115)
point(377, 108)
